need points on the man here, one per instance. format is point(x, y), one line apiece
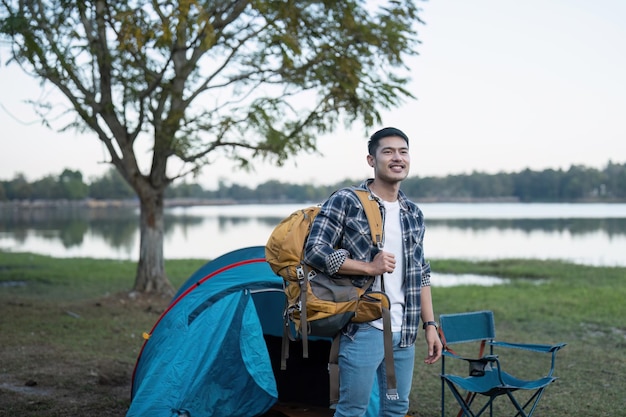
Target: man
point(340, 245)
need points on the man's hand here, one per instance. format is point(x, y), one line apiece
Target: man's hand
point(434, 345)
point(383, 262)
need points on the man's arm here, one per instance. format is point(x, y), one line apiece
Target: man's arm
point(383, 262)
point(432, 337)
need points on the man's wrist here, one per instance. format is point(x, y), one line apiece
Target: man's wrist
point(430, 323)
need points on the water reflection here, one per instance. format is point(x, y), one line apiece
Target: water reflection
point(457, 231)
point(611, 226)
point(452, 280)
point(116, 227)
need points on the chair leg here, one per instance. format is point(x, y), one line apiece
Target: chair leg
point(468, 400)
point(521, 409)
point(465, 410)
point(488, 404)
point(466, 403)
point(443, 398)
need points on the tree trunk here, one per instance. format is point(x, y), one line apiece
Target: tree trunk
point(151, 277)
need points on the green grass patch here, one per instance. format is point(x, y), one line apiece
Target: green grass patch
point(69, 325)
point(545, 302)
point(62, 279)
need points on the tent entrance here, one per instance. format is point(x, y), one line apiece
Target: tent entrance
point(305, 381)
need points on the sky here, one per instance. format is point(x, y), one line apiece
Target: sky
point(500, 86)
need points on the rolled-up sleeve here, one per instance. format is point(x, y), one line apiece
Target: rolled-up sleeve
point(425, 275)
point(335, 260)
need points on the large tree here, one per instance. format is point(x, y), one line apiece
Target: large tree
point(201, 80)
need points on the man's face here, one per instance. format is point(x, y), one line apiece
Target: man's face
point(392, 161)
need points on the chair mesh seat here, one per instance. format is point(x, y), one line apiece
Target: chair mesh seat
point(490, 384)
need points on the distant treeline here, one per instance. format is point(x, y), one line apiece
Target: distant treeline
point(578, 183)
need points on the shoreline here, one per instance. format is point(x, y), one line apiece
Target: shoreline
point(193, 202)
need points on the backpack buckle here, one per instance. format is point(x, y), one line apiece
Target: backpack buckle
point(300, 272)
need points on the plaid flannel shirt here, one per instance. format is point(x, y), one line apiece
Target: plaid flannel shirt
point(342, 224)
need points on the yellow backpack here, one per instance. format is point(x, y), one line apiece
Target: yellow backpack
point(319, 305)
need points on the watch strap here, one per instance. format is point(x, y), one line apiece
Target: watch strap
point(430, 323)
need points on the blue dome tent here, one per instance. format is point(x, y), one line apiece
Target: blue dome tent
point(215, 351)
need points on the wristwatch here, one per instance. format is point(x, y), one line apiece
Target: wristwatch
point(430, 323)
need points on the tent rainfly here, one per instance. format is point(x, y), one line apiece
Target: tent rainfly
point(215, 350)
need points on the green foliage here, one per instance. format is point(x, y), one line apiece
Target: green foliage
point(110, 186)
point(69, 185)
point(243, 79)
point(606, 184)
point(72, 185)
point(578, 183)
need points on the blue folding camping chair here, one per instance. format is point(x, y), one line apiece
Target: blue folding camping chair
point(486, 375)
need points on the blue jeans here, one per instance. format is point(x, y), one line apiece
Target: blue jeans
point(361, 362)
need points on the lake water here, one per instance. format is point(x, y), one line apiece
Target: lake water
point(593, 234)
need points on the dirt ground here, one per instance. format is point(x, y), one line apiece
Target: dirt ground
point(107, 395)
point(40, 378)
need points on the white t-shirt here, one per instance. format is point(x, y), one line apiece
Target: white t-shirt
point(393, 282)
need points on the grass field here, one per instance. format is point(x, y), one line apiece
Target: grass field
point(70, 332)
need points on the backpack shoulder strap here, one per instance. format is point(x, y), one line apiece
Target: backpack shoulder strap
point(372, 211)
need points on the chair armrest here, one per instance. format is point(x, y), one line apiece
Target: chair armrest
point(552, 349)
point(485, 358)
point(530, 346)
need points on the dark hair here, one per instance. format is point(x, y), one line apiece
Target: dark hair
point(384, 133)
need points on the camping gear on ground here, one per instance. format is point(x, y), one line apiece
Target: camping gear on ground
point(216, 349)
point(320, 305)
